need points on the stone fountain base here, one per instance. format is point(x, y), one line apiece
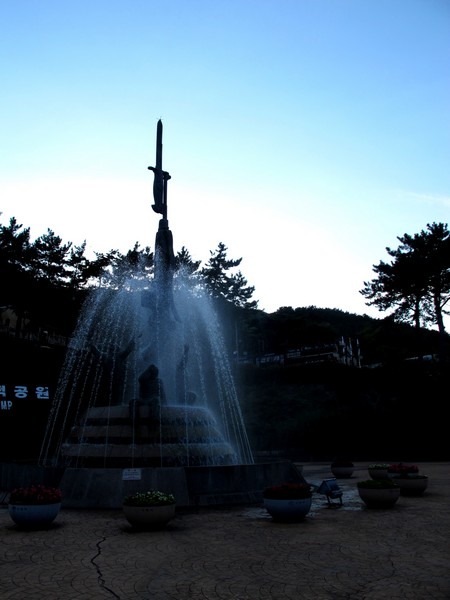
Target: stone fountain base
point(184, 436)
point(105, 458)
point(191, 486)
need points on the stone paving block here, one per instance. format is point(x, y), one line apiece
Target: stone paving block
point(239, 553)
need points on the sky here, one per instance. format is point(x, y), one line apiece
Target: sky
point(305, 135)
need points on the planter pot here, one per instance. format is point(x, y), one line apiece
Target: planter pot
point(288, 510)
point(34, 515)
point(413, 485)
point(379, 498)
point(404, 472)
point(149, 517)
point(342, 472)
point(378, 473)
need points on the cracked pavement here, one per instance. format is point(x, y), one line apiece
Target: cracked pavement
point(239, 553)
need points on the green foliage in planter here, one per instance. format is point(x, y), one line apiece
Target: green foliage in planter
point(149, 498)
point(377, 484)
point(288, 491)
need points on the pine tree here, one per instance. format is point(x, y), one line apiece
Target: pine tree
point(222, 285)
point(416, 283)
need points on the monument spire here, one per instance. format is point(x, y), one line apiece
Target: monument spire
point(164, 254)
point(161, 177)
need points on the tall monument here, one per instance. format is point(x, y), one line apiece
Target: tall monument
point(164, 254)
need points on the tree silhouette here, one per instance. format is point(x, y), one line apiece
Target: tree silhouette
point(416, 284)
point(222, 285)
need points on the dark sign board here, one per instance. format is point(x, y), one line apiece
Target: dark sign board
point(24, 410)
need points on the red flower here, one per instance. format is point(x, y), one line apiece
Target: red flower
point(35, 494)
point(402, 469)
point(288, 491)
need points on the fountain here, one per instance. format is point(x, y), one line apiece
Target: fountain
point(146, 397)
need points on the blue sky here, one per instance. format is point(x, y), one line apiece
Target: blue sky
point(306, 135)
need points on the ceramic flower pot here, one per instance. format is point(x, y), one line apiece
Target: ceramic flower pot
point(342, 472)
point(378, 472)
point(412, 485)
point(34, 515)
point(149, 517)
point(379, 498)
point(401, 469)
point(289, 509)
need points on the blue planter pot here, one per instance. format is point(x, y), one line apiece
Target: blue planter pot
point(288, 510)
point(34, 515)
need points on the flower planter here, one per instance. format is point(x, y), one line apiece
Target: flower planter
point(149, 517)
point(379, 498)
point(289, 509)
point(34, 515)
point(342, 472)
point(401, 469)
point(289, 501)
point(412, 485)
point(378, 472)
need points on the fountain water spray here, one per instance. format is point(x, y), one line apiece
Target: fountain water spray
point(147, 381)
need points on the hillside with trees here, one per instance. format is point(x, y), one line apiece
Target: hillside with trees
point(301, 394)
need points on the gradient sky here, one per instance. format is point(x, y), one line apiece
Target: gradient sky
point(306, 135)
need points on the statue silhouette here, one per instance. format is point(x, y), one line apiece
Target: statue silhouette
point(151, 396)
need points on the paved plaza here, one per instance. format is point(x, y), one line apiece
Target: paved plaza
point(239, 553)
